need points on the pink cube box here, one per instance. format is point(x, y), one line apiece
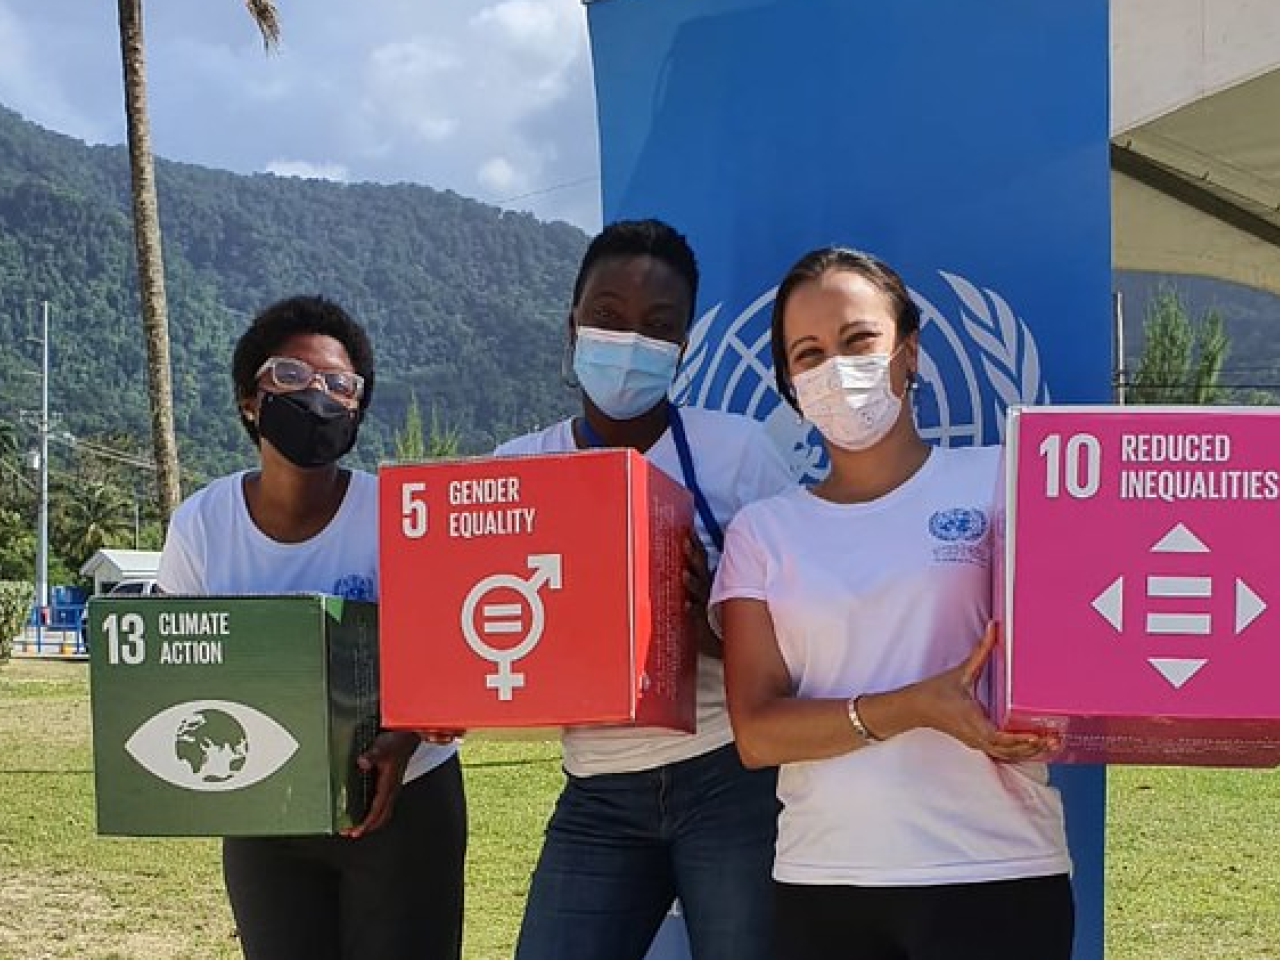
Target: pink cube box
point(1137, 585)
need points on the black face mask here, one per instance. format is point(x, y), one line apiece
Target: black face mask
point(308, 427)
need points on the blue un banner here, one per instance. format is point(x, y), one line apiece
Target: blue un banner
point(965, 143)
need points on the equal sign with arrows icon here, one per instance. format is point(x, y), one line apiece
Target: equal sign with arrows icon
point(1191, 622)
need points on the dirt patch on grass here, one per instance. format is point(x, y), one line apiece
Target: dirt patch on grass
point(46, 727)
point(46, 735)
point(58, 916)
point(34, 677)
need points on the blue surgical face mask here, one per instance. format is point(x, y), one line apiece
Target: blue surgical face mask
point(625, 374)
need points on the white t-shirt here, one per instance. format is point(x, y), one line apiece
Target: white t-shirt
point(736, 463)
point(870, 597)
point(214, 547)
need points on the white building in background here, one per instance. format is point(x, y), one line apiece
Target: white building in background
point(110, 566)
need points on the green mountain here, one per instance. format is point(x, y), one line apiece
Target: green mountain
point(465, 303)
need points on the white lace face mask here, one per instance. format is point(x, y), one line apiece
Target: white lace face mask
point(850, 399)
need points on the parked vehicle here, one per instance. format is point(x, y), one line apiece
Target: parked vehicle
point(142, 587)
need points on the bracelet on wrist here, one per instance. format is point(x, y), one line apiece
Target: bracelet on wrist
point(855, 720)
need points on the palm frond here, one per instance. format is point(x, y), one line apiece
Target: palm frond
point(267, 19)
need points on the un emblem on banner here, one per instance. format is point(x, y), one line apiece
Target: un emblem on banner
point(975, 360)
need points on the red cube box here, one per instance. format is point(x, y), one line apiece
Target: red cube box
point(534, 591)
point(1137, 585)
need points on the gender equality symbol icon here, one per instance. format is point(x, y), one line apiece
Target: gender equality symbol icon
point(1192, 620)
point(500, 619)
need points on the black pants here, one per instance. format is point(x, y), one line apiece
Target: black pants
point(395, 894)
point(1031, 919)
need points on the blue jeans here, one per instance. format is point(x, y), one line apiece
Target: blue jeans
point(620, 847)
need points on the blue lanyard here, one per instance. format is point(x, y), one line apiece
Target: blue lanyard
point(709, 522)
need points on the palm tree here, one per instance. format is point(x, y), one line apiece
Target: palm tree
point(146, 232)
point(1181, 358)
point(413, 443)
point(8, 441)
point(11, 475)
point(99, 515)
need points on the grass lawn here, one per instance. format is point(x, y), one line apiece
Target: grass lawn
point(1193, 864)
point(1193, 855)
point(65, 893)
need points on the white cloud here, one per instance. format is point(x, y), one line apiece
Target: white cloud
point(32, 83)
point(498, 176)
point(413, 60)
point(480, 96)
point(548, 28)
point(309, 171)
point(405, 87)
point(543, 41)
point(434, 129)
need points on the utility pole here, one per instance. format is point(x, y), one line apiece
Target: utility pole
point(42, 537)
point(41, 463)
point(1119, 372)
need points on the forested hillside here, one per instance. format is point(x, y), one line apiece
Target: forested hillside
point(466, 305)
point(465, 302)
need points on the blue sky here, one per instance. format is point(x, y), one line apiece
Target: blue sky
point(489, 98)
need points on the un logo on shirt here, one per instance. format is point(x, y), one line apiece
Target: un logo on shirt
point(353, 586)
point(960, 536)
point(958, 523)
point(973, 365)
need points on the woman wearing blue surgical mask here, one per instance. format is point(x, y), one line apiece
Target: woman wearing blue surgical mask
point(391, 887)
point(648, 816)
point(911, 828)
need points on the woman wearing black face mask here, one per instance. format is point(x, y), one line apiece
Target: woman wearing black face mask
point(390, 888)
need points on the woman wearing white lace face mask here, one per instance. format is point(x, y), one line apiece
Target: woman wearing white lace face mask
point(911, 828)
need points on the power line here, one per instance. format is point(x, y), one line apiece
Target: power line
point(18, 475)
point(1179, 384)
point(105, 452)
point(542, 191)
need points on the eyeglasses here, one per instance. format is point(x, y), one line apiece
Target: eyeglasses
point(289, 375)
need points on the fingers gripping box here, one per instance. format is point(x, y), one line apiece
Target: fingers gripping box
point(535, 591)
point(1138, 585)
point(231, 716)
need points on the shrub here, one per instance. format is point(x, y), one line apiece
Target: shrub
point(15, 605)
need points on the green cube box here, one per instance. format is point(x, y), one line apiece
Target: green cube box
point(231, 716)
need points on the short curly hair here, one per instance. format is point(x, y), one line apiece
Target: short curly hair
point(624, 239)
point(289, 318)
